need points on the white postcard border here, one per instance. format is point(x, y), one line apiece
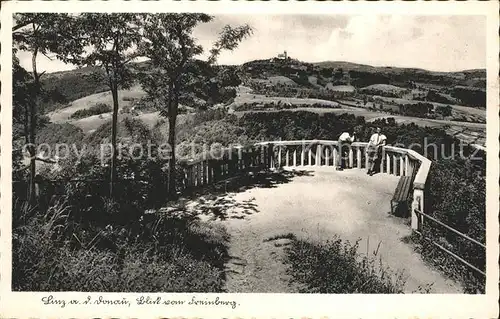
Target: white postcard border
point(26, 304)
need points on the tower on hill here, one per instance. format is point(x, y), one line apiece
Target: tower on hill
point(283, 56)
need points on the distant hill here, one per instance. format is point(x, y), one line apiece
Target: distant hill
point(66, 86)
point(364, 67)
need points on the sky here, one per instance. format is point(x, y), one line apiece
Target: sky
point(437, 43)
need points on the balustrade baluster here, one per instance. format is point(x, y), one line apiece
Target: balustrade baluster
point(388, 163)
point(204, 166)
point(366, 160)
point(222, 169)
point(222, 172)
point(327, 156)
point(309, 156)
point(351, 157)
point(382, 162)
point(190, 176)
point(302, 156)
point(287, 160)
point(210, 171)
point(407, 165)
point(358, 157)
point(240, 157)
point(279, 156)
point(200, 178)
point(401, 165)
point(335, 156)
point(195, 174)
point(394, 165)
point(317, 160)
point(272, 162)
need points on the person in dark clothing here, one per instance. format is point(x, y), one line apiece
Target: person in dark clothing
point(344, 143)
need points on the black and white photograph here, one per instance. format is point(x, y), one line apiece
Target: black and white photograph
point(212, 154)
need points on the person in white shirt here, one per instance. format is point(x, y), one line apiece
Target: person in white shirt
point(374, 150)
point(345, 140)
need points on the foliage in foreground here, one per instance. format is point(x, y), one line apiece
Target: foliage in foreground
point(157, 254)
point(472, 282)
point(336, 267)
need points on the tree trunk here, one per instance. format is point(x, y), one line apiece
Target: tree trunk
point(114, 128)
point(172, 119)
point(32, 129)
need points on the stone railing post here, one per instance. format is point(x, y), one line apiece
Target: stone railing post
point(418, 204)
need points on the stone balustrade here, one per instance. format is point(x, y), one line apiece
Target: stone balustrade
point(228, 163)
point(396, 161)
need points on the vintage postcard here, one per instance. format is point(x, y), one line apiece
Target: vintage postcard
point(249, 159)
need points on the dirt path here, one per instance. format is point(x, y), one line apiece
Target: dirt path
point(317, 206)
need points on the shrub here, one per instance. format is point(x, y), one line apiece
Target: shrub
point(159, 254)
point(444, 110)
point(66, 133)
point(434, 96)
point(336, 267)
point(93, 110)
point(418, 109)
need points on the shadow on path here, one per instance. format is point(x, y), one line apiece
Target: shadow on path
point(217, 201)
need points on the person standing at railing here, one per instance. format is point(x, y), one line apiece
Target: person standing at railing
point(345, 140)
point(374, 150)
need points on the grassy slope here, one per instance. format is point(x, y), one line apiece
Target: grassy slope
point(278, 79)
point(340, 88)
point(245, 96)
point(383, 87)
point(62, 115)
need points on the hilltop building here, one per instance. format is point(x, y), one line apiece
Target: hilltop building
point(281, 57)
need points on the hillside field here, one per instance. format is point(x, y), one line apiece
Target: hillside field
point(126, 98)
point(244, 95)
